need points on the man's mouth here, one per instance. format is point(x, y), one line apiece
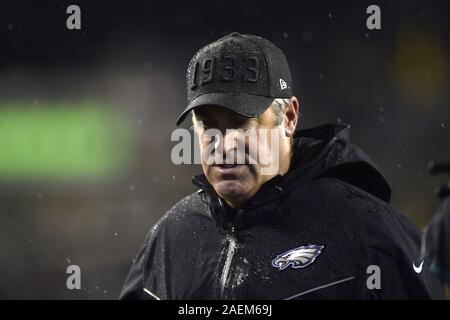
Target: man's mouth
point(230, 171)
point(227, 166)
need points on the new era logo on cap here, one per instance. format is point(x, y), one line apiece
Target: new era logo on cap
point(243, 73)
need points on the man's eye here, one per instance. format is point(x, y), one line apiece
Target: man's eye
point(241, 123)
point(209, 124)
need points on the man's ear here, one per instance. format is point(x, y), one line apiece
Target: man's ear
point(291, 116)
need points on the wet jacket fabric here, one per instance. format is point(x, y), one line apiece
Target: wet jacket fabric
point(324, 230)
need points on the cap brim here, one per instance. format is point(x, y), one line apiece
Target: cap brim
point(244, 104)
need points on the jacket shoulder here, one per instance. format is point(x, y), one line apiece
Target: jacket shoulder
point(380, 209)
point(356, 201)
point(355, 210)
point(190, 207)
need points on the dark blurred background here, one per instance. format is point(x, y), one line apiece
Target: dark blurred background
point(86, 117)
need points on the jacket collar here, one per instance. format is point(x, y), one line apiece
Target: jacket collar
point(256, 209)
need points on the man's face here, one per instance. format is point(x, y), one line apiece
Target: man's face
point(238, 180)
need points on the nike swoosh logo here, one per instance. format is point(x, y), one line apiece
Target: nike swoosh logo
point(419, 268)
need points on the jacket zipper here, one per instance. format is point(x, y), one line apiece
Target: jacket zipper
point(226, 268)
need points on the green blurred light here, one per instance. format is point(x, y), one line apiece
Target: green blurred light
point(62, 141)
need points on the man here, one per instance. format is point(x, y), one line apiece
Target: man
point(311, 221)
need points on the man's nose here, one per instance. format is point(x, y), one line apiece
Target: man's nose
point(230, 141)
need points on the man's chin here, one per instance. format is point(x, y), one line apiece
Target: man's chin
point(230, 189)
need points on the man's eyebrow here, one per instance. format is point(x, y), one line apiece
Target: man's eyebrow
point(208, 121)
point(241, 118)
point(211, 121)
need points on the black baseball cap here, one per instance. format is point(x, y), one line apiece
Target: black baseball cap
point(241, 72)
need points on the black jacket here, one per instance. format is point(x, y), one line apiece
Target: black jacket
point(324, 230)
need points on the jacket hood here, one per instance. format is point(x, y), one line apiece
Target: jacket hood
point(325, 151)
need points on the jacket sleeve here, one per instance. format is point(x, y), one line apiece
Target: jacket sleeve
point(399, 280)
point(394, 246)
point(133, 288)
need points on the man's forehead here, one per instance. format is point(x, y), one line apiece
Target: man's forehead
point(213, 112)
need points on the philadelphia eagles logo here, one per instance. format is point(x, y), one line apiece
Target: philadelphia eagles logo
point(300, 257)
